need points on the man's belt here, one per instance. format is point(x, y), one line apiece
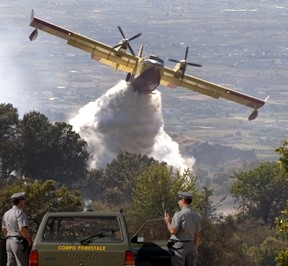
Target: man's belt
point(182, 241)
point(172, 242)
point(15, 237)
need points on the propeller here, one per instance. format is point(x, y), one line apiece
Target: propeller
point(125, 42)
point(184, 63)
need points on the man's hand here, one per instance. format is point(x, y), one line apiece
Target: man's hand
point(24, 232)
point(167, 217)
point(30, 243)
point(5, 232)
point(197, 239)
point(171, 229)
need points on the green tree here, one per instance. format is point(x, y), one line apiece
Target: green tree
point(94, 185)
point(282, 220)
point(282, 238)
point(283, 151)
point(52, 151)
point(232, 241)
point(156, 189)
point(120, 176)
point(268, 251)
point(70, 154)
point(9, 139)
point(34, 129)
point(40, 197)
point(261, 192)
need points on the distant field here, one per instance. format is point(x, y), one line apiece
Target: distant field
point(246, 51)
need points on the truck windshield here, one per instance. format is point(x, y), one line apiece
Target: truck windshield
point(83, 229)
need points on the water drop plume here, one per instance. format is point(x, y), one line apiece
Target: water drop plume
point(124, 120)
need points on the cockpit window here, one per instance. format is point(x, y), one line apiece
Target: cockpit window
point(156, 58)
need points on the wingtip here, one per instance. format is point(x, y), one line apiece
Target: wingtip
point(254, 113)
point(31, 16)
point(34, 33)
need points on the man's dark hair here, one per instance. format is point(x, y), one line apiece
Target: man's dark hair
point(188, 201)
point(16, 201)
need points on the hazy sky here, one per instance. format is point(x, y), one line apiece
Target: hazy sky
point(22, 66)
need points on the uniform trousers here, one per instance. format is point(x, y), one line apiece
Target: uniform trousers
point(15, 255)
point(185, 254)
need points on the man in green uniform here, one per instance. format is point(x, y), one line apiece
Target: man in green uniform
point(185, 232)
point(14, 227)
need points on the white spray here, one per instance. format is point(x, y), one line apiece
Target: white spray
point(124, 120)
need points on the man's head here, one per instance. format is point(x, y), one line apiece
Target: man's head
point(18, 199)
point(184, 198)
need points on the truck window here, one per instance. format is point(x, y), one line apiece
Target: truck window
point(154, 230)
point(96, 229)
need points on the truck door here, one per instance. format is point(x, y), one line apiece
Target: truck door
point(149, 244)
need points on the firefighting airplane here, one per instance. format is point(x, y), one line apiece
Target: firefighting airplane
point(145, 74)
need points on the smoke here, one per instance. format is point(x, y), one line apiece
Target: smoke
point(15, 71)
point(10, 80)
point(124, 120)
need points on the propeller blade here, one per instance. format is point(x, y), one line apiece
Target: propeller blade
point(186, 52)
point(183, 63)
point(183, 73)
point(173, 60)
point(134, 37)
point(122, 33)
point(130, 48)
point(117, 45)
point(192, 64)
point(125, 42)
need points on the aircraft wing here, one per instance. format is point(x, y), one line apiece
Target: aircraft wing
point(210, 89)
point(99, 51)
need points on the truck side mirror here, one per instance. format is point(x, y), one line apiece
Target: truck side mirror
point(140, 239)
